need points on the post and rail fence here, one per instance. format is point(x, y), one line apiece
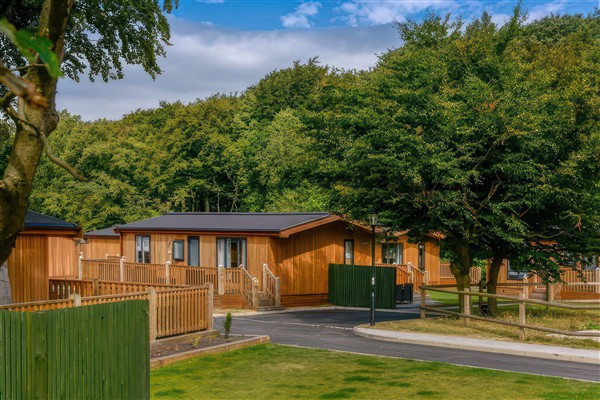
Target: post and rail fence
point(467, 314)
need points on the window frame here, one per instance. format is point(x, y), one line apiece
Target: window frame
point(190, 248)
point(179, 255)
point(399, 253)
point(351, 243)
point(140, 256)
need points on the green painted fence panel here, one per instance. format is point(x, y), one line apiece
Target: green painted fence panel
point(91, 352)
point(350, 285)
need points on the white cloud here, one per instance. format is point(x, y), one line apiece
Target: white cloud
point(205, 60)
point(299, 18)
point(367, 12)
point(541, 10)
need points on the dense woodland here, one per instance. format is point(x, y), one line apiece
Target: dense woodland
point(488, 134)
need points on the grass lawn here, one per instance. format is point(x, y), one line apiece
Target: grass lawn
point(281, 372)
point(537, 315)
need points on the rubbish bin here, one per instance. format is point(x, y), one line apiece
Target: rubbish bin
point(404, 293)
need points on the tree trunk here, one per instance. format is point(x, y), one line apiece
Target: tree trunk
point(460, 267)
point(17, 180)
point(492, 281)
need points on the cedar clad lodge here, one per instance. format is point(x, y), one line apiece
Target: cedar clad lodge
point(46, 246)
point(297, 247)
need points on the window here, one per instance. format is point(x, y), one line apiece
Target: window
point(142, 249)
point(349, 252)
point(422, 256)
point(514, 274)
point(392, 253)
point(178, 250)
point(193, 251)
point(231, 252)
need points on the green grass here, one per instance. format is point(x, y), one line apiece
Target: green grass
point(556, 318)
point(280, 372)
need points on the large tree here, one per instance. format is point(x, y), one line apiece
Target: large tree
point(484, 134)
point(42, 38)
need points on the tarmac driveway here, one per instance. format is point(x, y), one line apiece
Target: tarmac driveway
point(332, 329)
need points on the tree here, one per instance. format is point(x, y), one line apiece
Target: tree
point(482, 135)
point(75, 37)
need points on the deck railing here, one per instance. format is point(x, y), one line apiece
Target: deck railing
point(173, 310)
point(271, 285)
point(249, 288)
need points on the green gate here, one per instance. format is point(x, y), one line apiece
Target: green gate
point(100, 351)
point(350, 285)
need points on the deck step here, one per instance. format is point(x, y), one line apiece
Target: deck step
point(265, 302)
point(269, 308)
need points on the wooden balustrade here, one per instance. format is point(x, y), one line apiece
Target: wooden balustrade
point(445, 272)
point(232, 280)
point(247, 288)
point(575, 283)
point(106, 269)
point(271, 285)
point(173, 310)
point(193, 276)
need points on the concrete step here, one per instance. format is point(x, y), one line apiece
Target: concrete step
point(265, 302)
point(269, 308)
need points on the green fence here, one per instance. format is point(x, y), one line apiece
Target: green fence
point(350, 285)
point(100, 351)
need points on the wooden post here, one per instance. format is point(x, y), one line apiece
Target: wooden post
point(466, 306)
point(480, 291)
point(526, 287)
point(597, 280)
point(426, 277)
point(264, 276)
point(80, 266)
point(254, 293)
point(221, 279)
point(277, 293)
point(152, 312)
point(522, 316)
point(106, 256)
point(122, 269)
point(411, 278)
point(168, 272)
point(423, 296)
point(76, 297)
point(95, 287)
point(209, 306)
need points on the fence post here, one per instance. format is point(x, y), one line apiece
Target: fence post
point(277, 293)
point(209, 306)
point(521, 316)
point(168, 272)
point(526, 287)
point(152, 312)
point(549, 292)
point(106, 256)
point(95, 287)
point(122, 269)
point(254, 292)
point(221, 279)
point(80, 266)
point(264, 276)
point(76, 297)
point(423, 296)
point(466, 306)
point(597, 280)
point(426, 277)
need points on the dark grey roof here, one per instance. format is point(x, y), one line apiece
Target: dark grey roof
point(225, 222)
point(36, 220)
point(106, 232)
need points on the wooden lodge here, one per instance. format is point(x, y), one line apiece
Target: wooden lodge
point(46, 246)
point(296, 247)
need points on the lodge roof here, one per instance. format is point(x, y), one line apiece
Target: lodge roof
point(229, 222)
point(37, 220)
point(106, 232)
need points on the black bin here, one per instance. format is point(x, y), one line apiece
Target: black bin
point(404, 293)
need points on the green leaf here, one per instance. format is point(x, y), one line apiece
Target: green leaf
point(30, 44)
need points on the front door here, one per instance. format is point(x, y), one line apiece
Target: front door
point(231, 252)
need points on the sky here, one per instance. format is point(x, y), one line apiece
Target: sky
point(224, 46)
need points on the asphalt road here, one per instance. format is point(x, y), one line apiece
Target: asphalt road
point(332, 329)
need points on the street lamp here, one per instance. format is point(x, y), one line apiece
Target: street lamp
point(373, 220)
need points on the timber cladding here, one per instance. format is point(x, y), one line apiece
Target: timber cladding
point(99, 351)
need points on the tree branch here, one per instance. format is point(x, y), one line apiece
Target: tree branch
point(21, 88)
point(25, 67)
point(47, 148)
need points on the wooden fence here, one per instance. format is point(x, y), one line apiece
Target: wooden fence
point(350, 285)
point(99, 352)
point(521, 300)
point(173, 310)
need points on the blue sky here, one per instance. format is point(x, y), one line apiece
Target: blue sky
point(224, 46)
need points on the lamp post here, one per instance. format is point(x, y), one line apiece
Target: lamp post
point(373, 219)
